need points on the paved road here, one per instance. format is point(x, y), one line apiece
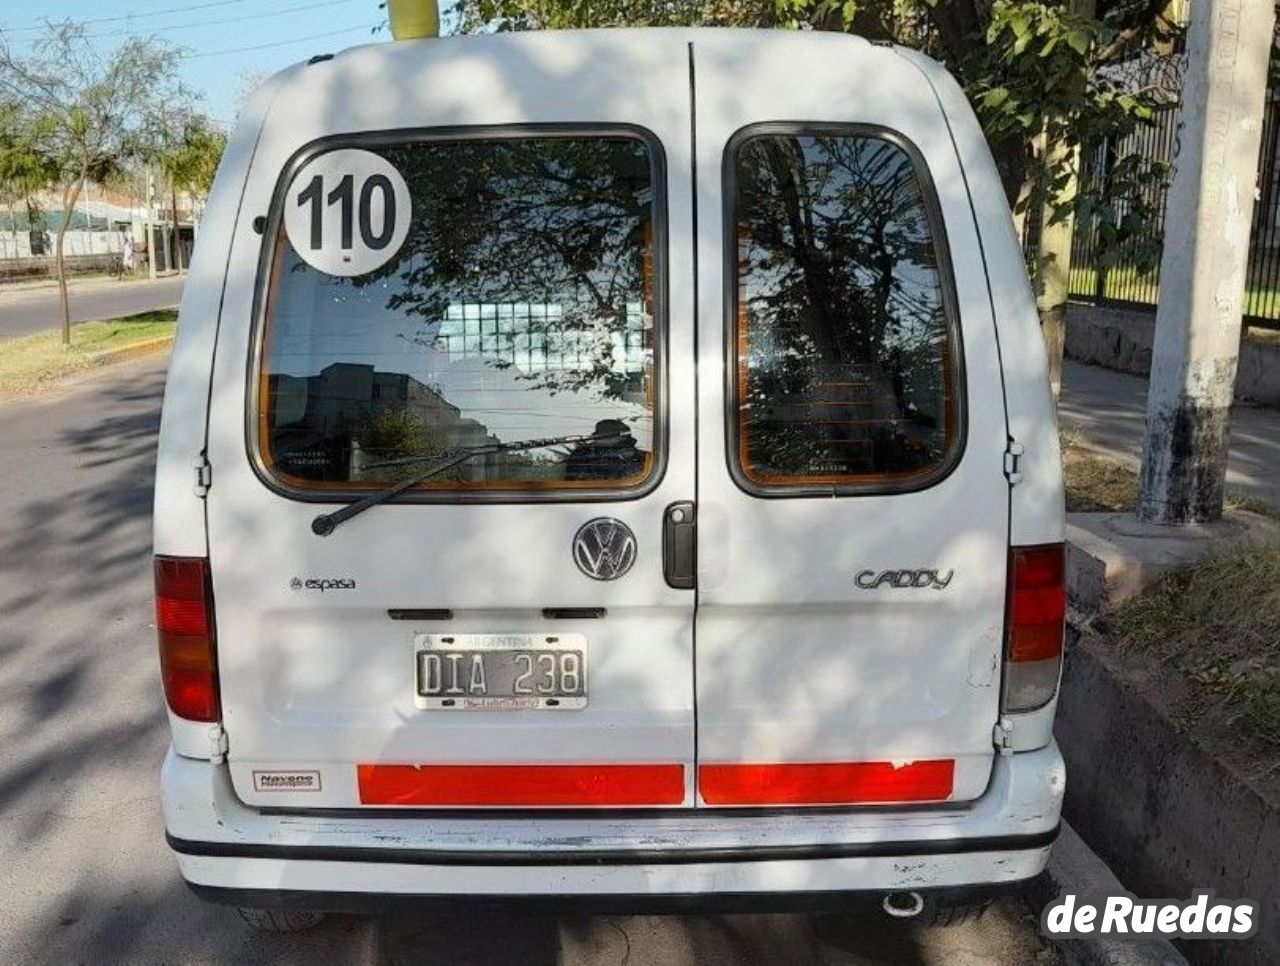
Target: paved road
point(84, 872)
point(1110, 409)
point(27, 310)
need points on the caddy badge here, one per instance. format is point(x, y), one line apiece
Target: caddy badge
point(870, 580)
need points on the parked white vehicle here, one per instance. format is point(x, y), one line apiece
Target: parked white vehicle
point(623, 468)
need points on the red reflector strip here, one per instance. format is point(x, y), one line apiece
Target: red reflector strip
point(498, 785)
point(827, 783)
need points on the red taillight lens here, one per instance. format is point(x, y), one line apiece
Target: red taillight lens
point(184, 624)
point(1037, 611)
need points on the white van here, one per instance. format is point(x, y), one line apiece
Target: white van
point(620, 468)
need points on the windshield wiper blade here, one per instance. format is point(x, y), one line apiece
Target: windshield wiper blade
point(326, 523)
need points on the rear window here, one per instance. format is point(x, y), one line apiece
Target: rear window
point(520, 306)
point(846, 357)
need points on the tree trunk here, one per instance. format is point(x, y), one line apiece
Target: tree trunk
point(70, 196)
point(1053, 252)
point(1053, 265)
point(177, 232)
point(13, 226)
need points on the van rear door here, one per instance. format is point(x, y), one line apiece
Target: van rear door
point(853, 510)
point(448, 249)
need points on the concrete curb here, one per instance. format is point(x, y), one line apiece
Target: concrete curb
point(127, 352)
point(1121, 339)
point(1073, 867)
point(1111, 557)
point(1161, 807)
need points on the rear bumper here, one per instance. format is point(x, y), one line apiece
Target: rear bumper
point(640, 860)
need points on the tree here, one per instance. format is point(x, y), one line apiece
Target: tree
point(1044, 77)
point(95, 107)
point(187, 148)
point(24, 168)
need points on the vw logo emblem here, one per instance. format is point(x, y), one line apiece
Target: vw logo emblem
point(604, 548)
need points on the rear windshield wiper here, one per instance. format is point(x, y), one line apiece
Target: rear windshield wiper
point(326, 523)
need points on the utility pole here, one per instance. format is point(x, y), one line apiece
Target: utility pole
point(153, 239)
point(177, 232)
point(1202, 268)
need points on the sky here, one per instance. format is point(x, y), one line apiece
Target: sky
point(230, 42)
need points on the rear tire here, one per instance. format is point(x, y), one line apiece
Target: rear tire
point(280, 920)
point(943, 915)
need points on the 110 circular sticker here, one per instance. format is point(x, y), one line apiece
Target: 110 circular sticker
point(347, 212)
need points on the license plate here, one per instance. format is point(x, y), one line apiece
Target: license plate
point(500, 672)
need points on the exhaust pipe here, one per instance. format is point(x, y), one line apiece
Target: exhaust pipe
point(903, 905)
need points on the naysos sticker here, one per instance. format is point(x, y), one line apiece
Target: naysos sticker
point(347, 212)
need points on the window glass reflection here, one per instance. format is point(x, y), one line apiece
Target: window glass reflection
point(845, 356)
point(521, 306)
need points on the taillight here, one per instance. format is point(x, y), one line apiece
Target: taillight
point(1037, 610)
point(184, 623)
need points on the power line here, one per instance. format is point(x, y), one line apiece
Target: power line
point(193, 24)
point(134, 16)
point(279, 43)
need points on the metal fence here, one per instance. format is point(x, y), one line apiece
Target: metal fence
point(1125, 283)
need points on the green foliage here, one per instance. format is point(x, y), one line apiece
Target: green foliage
point(24, 165)
point(505, 15)
point(1038, 73)
point(188, 153)
point(91, 108)
point(396, 433)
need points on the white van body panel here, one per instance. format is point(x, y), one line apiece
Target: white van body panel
point(324, 680)
point(887, 673)
point(1037, 514)
point(777, 657)
point(179, 524)
point(178, 521)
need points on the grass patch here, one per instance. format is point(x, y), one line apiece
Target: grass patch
point(1126, 284)
point(1097, 483)
point(33, 362)
point(1218, 624)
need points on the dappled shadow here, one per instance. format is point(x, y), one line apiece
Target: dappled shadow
point(1109, 409)
point(81, 718)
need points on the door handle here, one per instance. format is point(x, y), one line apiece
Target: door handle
point(680, 545)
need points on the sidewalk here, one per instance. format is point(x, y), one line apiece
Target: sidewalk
point(74, 282)
point(1109, 409)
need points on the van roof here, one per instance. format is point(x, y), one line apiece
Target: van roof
point(556, 56)
point(758, 41)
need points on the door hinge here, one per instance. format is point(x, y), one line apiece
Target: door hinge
point(217, 744)
point(204, 475)
point(1013, 462)
point(1002, 736)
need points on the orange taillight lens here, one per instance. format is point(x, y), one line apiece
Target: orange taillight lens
point(184, 625)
